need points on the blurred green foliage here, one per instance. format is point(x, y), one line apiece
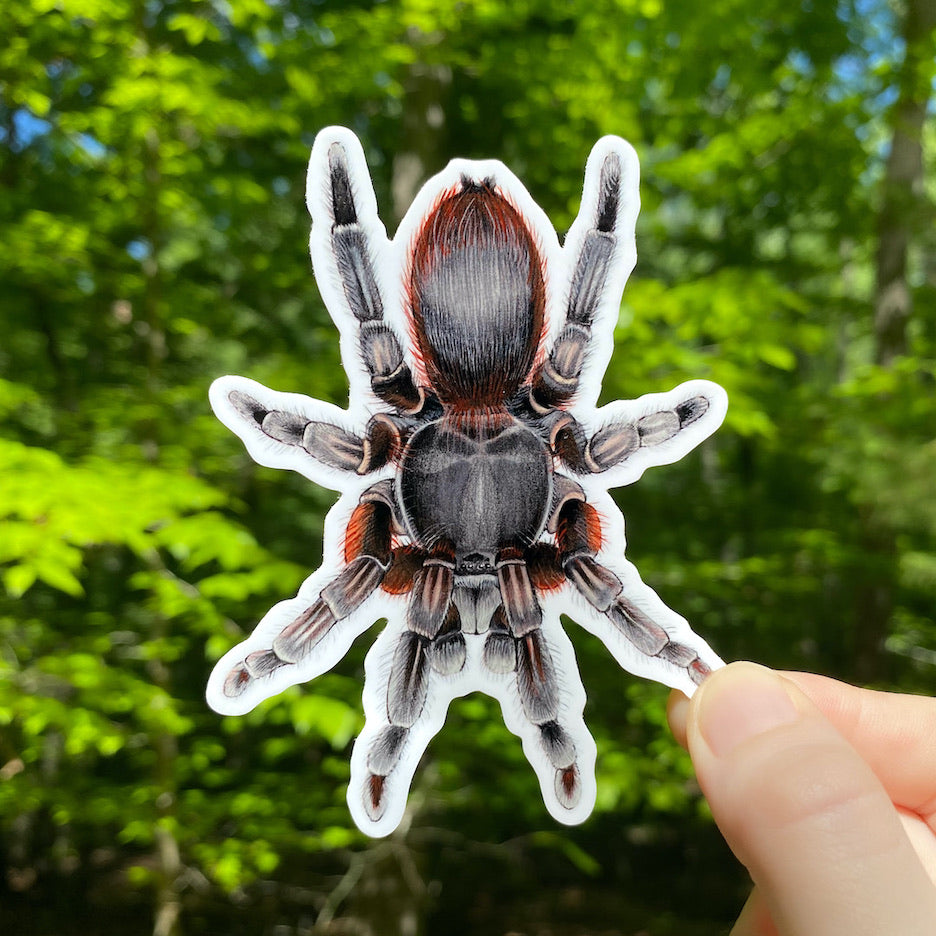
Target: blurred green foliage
point(153, 236)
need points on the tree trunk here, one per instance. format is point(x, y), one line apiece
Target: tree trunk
point(421, 152)
point(901, 216)
point(902, 212)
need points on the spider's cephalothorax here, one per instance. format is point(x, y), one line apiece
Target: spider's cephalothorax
point(474, 466)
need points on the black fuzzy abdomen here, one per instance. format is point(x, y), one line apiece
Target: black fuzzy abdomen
point(477, 492)
point(476, 296)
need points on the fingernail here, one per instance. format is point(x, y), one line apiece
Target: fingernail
point(741, 702)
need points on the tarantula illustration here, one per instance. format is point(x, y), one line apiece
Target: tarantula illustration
point(474, 467)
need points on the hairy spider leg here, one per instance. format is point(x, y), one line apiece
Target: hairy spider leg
point(578, 537)
point(616, 441)
point(432, 640)
point(390, 375)
point(433, 645)
point(418, 659)
point(383, 439)
point(557, 379)
point(516, 643)
point(368, 557)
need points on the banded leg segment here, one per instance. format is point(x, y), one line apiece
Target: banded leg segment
point(614, 443)
point(330, 444)
point(407, 689)
point(391, 378)
point(431, 644)
point(368, 556)
point(558, 378)
point(578, 536)
point(515, 643)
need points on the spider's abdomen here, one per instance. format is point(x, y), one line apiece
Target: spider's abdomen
point(476, 295)
point(477, 491)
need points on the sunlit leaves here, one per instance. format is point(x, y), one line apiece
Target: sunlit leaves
point(153, 236)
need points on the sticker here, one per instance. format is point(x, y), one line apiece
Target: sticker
point(474, 466)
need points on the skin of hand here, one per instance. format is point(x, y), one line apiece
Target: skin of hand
point(825, 792)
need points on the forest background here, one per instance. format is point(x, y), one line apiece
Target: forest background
point(153, 236)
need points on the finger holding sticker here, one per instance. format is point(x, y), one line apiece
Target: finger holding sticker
point(474, 468)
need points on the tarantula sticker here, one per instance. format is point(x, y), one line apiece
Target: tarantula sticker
point(474, 468)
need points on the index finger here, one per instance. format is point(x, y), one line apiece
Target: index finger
point(894, 733)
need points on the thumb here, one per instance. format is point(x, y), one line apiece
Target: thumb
point(806, 815)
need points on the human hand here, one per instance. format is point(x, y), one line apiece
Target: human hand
point(826, 793)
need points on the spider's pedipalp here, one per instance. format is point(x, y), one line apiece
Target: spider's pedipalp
point(447, 652)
